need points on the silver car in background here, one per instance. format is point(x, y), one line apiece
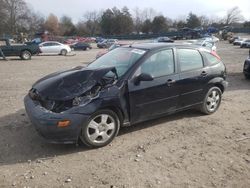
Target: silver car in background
point(53, 47)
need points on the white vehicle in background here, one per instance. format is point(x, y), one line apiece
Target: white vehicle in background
point(53, 47)
point(209, 44)
point(212, 39)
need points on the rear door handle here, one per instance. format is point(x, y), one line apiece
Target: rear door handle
point(203, 73)
point(170, 82)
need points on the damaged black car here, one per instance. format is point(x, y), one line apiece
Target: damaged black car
point(128, 85)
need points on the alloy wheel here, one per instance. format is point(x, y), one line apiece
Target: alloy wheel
point(213, 100)
point(101, 128)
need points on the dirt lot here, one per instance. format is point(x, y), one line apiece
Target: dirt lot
point(187, 149)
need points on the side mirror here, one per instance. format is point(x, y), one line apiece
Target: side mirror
point(143, 77)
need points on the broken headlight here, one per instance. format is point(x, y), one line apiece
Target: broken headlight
point(87, 97)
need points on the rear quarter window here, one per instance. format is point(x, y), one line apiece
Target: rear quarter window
point(211, 59)
point(189, 59)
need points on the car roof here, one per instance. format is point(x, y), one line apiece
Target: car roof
point(51, 42)
point(153, 46)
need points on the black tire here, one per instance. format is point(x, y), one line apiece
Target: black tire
point(25, 55)
point(214, 94)
point(87, 131)
point(247, 76)
point(64, 52)
point(84, 49)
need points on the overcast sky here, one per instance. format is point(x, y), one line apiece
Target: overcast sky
point(170, 8)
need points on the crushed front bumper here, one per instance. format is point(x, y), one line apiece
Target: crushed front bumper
point(46, 122)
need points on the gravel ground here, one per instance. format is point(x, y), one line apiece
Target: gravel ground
point(187, 149)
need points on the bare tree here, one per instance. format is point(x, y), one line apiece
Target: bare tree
point(17, 14)
point(138, 20)
point(141, 15)
point(233, 16)
point(205, 22)
point(92, 20)
point(67, 28)
point(52, 24)
point(3, 16)
point(36, 23)
point(150, 13)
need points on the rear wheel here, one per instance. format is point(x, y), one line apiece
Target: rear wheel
point(247, 76)
point(101, 129)
point(212, 101)
point(64, 52)
point(25, 55)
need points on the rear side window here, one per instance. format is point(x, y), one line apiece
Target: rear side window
point(211, 59)
point(189, 59)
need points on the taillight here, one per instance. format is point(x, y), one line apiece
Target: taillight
point(215, 54)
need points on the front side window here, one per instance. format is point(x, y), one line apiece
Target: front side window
point(158, 64)
point(189, 59)
point(47, 44)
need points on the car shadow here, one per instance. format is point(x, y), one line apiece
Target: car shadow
point(21, 143)
point(12, 59)
point(165, 119)
point(48, 55)
point(237, 81)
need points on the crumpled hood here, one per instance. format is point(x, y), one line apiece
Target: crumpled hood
point(66, 85)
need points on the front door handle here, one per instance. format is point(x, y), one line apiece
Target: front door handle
point(203, 73)
point(170, 82)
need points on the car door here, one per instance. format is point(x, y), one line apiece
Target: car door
point(149, 99)
point(7, 49)
point(46, 47)
point(193, 77)
point(56, 48)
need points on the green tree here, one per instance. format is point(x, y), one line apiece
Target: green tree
point(193, 21)
point(67, 28)
point(115, 21)
point(246, 24)
point(159, 24)
point(147, 26)
point(126, 21)
point(180, 24)
point(107, 22)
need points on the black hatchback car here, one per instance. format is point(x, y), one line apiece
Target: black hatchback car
point(128, 85)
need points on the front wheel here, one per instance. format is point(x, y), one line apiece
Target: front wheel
point(25, 55)
point(64, 52)
point(212, 101)
point(101, 129)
